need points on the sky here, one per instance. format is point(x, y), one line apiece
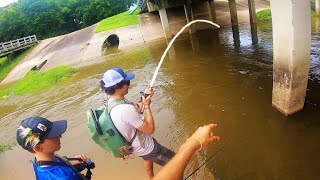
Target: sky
point(6, 2)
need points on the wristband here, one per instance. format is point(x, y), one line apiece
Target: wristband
point(198, 140)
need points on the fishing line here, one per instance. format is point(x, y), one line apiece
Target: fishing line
point(172, 41)
point(207, 160)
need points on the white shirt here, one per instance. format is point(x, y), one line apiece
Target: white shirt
point(127, 119)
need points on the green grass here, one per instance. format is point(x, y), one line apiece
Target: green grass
point(35, 81)
point(4, 147)
point(264, 15)
point(120, 20)
point(6, 65)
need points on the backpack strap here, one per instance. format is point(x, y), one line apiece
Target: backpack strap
point(96, 121)
point(50, 163)
point(109, 108)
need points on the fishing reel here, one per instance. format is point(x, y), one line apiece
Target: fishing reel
point(143, 95)
point(88, 164)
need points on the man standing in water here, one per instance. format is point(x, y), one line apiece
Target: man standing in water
point(128, 120)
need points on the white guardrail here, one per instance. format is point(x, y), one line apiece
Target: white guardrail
point(17, 44)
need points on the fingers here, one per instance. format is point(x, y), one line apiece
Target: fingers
point(211, 126)
point(149, 90)
point(215, 138)
point(82, 157)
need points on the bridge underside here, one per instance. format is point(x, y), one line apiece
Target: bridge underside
point(291, 42)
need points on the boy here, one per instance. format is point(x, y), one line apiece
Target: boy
point(42, 138)
point(133, 125)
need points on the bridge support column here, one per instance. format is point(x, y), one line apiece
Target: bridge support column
point(317, 6)
point(233, 12)
point(252, 11)
point(189, 16)
point(291, 25)
point(211, 10)
point(165, 23)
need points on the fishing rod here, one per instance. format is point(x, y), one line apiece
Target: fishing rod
point(158, 68)
point(207, 160)
point(172, 41)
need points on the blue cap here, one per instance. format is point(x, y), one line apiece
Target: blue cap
point(114, 76)
point(34, 130)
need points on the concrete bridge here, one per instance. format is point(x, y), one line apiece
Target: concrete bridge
point(15, 45)
point(291, 22)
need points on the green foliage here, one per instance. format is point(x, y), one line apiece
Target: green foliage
point(120, 20)
point(48, 18)
point(7, 64)
point(264, 15)
point(5, 147)
point(35, 81)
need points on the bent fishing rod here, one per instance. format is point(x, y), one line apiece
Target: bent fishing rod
point(158, 68)
point(168, 47)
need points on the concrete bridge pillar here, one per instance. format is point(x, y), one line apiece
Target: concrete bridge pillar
point(233, 12)
point(252, 11)
point(317, 6)
point(211, 10)
point(165, 23)
point(189, 16)
point(291, 25)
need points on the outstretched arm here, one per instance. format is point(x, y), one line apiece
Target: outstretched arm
point(175, 168)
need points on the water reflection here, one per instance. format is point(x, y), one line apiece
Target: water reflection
point(236, 39)
point(254, 34)
point(195, 43)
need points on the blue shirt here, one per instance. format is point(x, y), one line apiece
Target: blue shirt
point(54, 172)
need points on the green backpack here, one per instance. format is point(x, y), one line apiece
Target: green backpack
point(103, 131)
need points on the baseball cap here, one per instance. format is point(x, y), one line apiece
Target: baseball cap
point(34, 130)
point(114, 76)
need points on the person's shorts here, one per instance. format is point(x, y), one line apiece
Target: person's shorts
point(159, 155)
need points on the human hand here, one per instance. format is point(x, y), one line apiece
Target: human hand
point(149, 91)
point(82, 157)
point(139, 107)
point(205, 135)
point(146, 100)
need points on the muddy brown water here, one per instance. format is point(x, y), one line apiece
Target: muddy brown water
point(210, 78)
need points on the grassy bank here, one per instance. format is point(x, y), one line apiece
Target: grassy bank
point(120, 20)
point(7, 64)
point(35, 81)
point(264, 15)
point(4, 147)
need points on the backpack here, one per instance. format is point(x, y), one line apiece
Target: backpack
point(103, 131)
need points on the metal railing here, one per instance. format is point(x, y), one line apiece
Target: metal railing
point(17, 44)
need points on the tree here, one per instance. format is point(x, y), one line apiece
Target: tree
point(47, 18)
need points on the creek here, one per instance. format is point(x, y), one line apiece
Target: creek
point(207, 78)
